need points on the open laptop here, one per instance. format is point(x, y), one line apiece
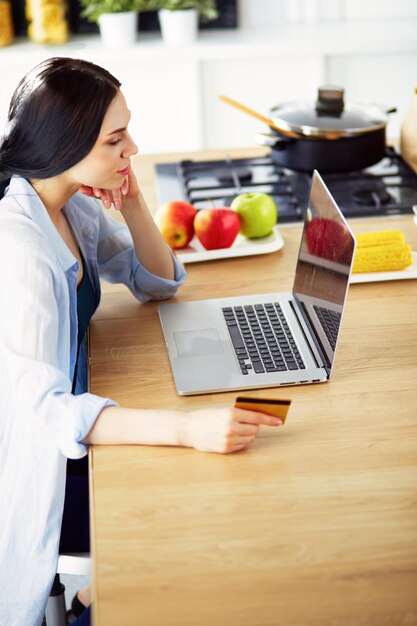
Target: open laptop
point(274, 339)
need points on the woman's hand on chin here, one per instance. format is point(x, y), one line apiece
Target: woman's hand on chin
point(129, 189)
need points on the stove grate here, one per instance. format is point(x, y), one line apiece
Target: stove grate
point(389, 187)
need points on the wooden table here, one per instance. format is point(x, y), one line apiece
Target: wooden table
point(316, 524)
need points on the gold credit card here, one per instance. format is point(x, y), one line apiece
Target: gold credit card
point(271, 406)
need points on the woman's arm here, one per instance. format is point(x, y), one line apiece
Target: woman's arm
point(207, 430)
point(150, 248)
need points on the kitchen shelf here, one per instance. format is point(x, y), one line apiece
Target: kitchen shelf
point(286, 39)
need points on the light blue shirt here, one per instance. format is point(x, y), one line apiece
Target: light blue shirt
point(41, 421)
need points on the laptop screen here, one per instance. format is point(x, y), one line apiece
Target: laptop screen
point(323, 268)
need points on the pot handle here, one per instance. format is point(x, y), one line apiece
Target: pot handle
point(272, 140)
point(384, 108)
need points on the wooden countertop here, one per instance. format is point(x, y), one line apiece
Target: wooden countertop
point(316, 523)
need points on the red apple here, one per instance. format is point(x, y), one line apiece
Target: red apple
point(216, 227)
point(175, 220)
point(329, 239)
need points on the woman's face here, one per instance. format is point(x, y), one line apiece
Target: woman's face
point(106, 165)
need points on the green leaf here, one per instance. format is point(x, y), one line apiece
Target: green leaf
point(92, 9)
point(205, 8)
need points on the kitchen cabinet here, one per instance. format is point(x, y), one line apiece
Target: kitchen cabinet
point(257, 82)
point(172, 91)
point(163, 94)
point(164, 102)
point(386, 79)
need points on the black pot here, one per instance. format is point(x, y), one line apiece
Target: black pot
point(328, 135)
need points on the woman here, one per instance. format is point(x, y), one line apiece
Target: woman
point(66, 142)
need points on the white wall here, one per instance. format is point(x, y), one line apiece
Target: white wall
point(268, 12)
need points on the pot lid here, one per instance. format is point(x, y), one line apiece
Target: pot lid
point(329, 117)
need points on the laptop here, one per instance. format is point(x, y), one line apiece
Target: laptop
point(255, 341)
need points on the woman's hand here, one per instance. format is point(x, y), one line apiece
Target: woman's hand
point(223, 430)
point(129, 189)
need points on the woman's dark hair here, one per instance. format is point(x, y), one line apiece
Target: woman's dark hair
point(54, 118)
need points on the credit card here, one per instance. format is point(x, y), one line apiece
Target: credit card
point(277, 407)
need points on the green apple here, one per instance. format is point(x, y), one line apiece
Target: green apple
point(258, 214)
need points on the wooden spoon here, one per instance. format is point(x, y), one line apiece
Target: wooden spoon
point(262, 118)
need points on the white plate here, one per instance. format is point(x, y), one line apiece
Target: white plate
point(195, 252)
point(374, 277)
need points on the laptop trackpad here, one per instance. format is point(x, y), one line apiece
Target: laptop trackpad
point(198, 342)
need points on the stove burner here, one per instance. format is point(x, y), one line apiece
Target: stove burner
point(371, 194)
point(228, 176)
point(387, 188)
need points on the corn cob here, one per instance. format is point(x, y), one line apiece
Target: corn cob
point(384, 258)
point(379, 238)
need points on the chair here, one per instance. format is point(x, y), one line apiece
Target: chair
point(72, 564)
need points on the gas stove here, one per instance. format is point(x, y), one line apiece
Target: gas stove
point(389, 187)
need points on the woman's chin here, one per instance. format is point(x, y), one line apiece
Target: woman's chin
point(113, 183)
point(120, 181)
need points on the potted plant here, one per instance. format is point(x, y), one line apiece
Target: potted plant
point(179, 18)
point(117, 19)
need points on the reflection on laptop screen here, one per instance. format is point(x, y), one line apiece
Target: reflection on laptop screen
point(323, 267)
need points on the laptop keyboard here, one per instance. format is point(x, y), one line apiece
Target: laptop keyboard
point(330, 322)
point(262, 338)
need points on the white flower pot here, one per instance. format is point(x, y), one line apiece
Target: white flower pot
point(178, 27)
point(118, 29)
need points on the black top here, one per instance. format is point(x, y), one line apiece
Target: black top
point(86, 306)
